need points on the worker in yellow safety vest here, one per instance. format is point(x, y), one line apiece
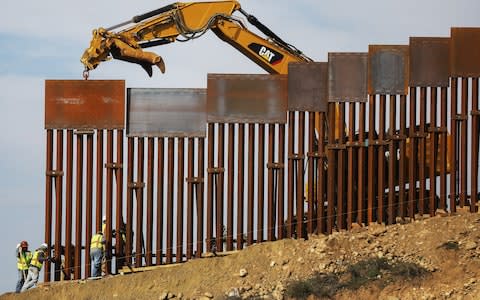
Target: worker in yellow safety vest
point(24, 256)
point(97, 249)
point(104, 224)
point(36, 264)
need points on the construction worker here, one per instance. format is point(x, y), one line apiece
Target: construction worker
point(120, 238)
point(36, 264)
point(104, 232)
point(97, 250)
point(104, 224)
point(122, 235)
point(24, 256)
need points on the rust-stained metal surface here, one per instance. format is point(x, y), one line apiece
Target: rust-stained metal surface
point(347, 77)
point(299, 178)
point(107, 227)
point(241, 138)
point(48, 197)
point(432, 151)
point(179, 199)
point(58, 197)
point(402, 164)
point(429, 61)
point(388, 69)
point(361, 194)
point(331, 159)
point(292, 166)
point(454, 151)
point(340, 149)
point(246, 98)
point(79, 206)
point(465, 57)
point(139, 186)
point(443, 147)
point(69, 206)
point(119, 218)
point(261, 184)
point(412, 151)
point(230, 185)
point(160, 219)
point(371, 163)
point(80, 104)
point(150, 177)
point(475, 147)
point(89, 200)
point(350, 170)
point(166, 112)
point(308, 86)
point(466, 86)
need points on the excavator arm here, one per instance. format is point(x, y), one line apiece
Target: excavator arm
point(187, 21)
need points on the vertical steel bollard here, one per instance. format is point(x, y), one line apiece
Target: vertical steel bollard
point(120, 225)
point(261, 183)
point(79, 207)
point(58, 201)
point(68, 251)
point(89, 201)
point(150, 180)
point(159, 250)
point(48, 197)
point(230, 185)
point(350, 167)
point(475, 112)
point(241, 186)
point(179, 199)
point(371, 159)
point(170, 199)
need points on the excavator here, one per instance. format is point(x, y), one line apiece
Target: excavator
point(184, 22)
point(187, 21)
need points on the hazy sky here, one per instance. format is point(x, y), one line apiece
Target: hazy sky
point(44, 40)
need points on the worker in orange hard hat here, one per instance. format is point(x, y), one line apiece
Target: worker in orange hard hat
point(24, 256)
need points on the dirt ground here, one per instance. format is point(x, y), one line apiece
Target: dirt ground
point(446, 248)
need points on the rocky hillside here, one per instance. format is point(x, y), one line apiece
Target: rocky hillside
point(433, 258)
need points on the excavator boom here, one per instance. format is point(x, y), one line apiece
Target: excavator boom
point(187, 21)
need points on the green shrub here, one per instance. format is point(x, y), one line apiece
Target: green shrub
point(377, 270)
point(320, 285)
point(450, 245)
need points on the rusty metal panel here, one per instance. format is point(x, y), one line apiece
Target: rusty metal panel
point(347, 77)
point(465, 56)
point(246, 98)
point(166, 112)
point(308, 86)
point(429, 61)
point(82, 104)
point(388, 69)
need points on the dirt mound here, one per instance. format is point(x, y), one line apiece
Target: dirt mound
point(433, 258)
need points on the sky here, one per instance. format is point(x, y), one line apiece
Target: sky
point(42, 40)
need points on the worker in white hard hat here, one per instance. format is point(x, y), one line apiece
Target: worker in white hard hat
point(104, 224)
point(24, 256)
point(36, 264)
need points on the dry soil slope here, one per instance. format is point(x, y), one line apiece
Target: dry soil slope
point(266, 270)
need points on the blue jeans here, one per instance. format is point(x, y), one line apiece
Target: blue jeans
point(96, 256)
point(22, 274)
point(32, 278)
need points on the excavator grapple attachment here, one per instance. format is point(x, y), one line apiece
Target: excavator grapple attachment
point(145, 59)
point(120, 47)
